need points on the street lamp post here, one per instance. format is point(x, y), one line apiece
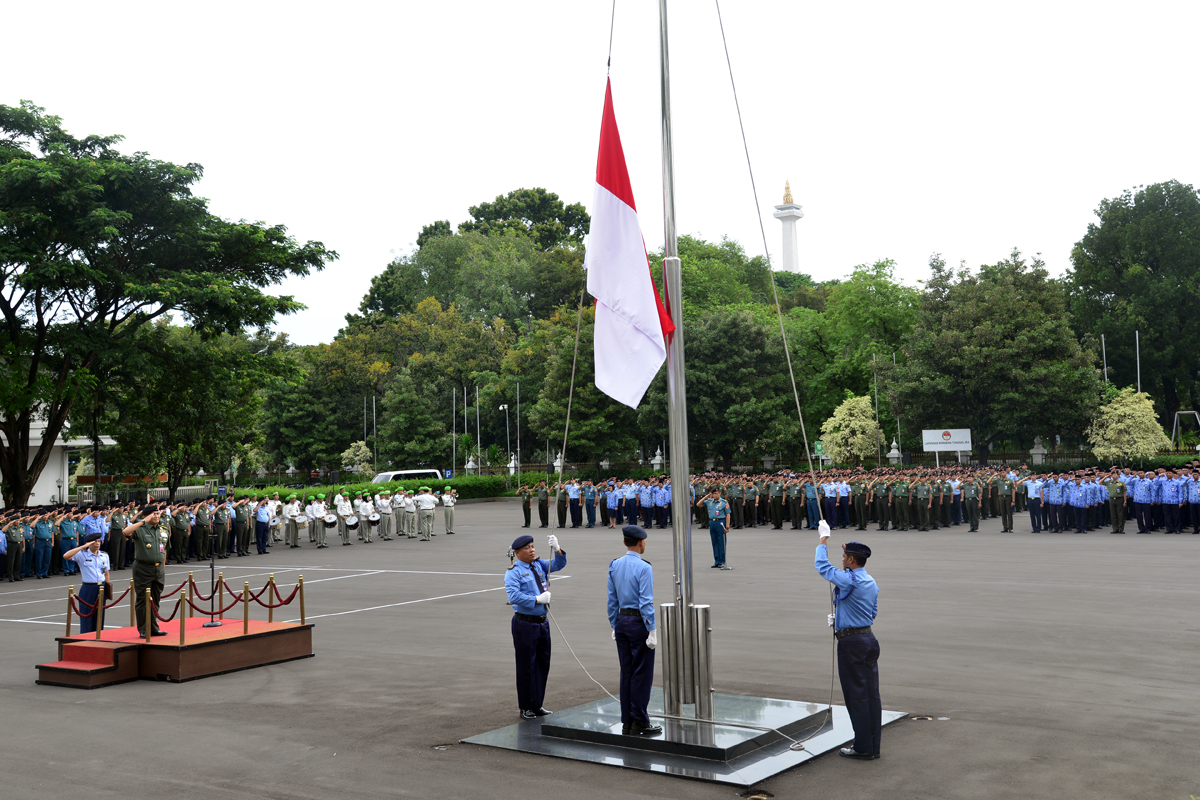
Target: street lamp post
point(507, 436)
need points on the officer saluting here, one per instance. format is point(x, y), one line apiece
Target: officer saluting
point(526, 584)
point(857, 602)
point(94, 567)
point(631, 615)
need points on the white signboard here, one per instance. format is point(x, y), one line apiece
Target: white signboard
point(946, 440)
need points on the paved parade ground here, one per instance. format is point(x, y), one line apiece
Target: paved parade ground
point(1066, 664)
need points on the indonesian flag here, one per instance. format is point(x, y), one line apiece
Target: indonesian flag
point(631, 323)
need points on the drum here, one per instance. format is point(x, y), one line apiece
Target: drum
point(330, 520)
point(373, 520)
point(301, 521)
point(352, 523)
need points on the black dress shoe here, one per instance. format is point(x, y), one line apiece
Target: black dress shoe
point(850, 752)
point(640, 729)
point(159, 633)
point(541, 712)
point(527, 714)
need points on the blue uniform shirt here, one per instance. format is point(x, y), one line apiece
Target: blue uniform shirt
point(41, 530)
point(1193, 490)
point(92, 566)
point(572, 491)
point(589, 494)
point(843, 489)
point(1171, 492)
point(855, 592)
point(1034, 487)
point(717, 509)
point(1143, 491)
point(262, 515)
point(613, 497)
point(631, 585)
point(645, 497)
point(661, 496)
point(522, 587)
point(94, 525)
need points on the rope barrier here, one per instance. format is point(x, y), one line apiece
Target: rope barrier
point(295, 591)
point(208, 613)
point(76, 599)
point(197, 593)
point(119, 599)
point(173, 592)
point(178, 606)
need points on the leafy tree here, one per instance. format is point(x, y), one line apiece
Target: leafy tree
point(358, 457)
point(413, 432)
point(1126, 428)
point(851, 434)
point(993, 352)
point(1138, 269)
point(534, 212)
point(94, 245)
point(716, 275)
point(433, 231)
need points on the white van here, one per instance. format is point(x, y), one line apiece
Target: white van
point(409, 474)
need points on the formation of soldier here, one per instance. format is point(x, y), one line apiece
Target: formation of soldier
point(894, 498)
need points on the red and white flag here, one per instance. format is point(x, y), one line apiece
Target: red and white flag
point(631, 322)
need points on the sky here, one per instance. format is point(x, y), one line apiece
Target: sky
point(964, 129)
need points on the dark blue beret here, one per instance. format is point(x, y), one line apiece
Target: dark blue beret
point(92, 537)
point(521, 541)
point(857, 548)
point(633, 532)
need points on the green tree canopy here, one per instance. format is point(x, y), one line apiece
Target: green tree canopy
point(536, 213)
point(994, 352)
point(94, 244)
point(851, 434)
point(1137, 272)
point(1126, 428)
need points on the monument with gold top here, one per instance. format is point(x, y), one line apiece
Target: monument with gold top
point(788, 214)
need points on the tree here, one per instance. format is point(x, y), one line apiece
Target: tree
point(1126, 428)
point(94, 244)
point(358, 457)
point(716, 275)
point(1138, 270)
point(433, 231)
point(413, 434)
point(851, 434)
point(533, 212)
point(993, 352)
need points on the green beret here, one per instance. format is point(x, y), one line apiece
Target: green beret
point(320, 497)
point(401, 489)
point(312, 497)
point(448, 489)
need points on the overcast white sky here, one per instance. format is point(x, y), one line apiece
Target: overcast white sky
point(905, 129)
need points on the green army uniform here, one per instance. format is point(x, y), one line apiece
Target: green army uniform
point(982, 486)
point(763, 517)
point(241, 526)
point(221, 529)
point(180, 526)
point(115, 545)
point(561, 501)
point(935, 508)
point(1006, 504)
point(750, 505)
point(526, 499)
point(881, 497)
point(921, 495)
point(543, 495)
point(858, 499)
point(947, 502)
point(735, 495)
point(1116, 504)
point(994, 496)
point(201, 532)
point(16, 546)
point(900, 492)
point(970, 500)
point(1021, 499)
point(149, 571)
point(775, 489)
point(795, 499)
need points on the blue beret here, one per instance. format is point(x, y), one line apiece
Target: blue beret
point(92, 537)
point(633, 532)
point(857, 548)
point(521, 541)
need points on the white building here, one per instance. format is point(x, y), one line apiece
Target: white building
point(53, 484)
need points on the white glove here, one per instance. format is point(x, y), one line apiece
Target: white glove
point(614, 633)
point(822, 529)
point(542, 598)
point(552, 540)
point(830, 620)
point(652, 639)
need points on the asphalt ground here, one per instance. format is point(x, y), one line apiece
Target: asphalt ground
point(1067, 665)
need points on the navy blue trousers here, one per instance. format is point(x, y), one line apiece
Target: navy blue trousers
point(637, 669)
point(88, 593)
point(1035, 514)
point(261, 531)
point(42, 548)
point(716, 532)
point(576, 512)
point(590, 507)
point(858, 670)
point(814, 514)
point(831, 512)
point(531, 641)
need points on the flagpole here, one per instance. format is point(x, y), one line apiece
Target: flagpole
point(684, 638)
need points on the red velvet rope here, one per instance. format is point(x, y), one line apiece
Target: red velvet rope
point(119, 599)
point(208, 613)
point(196, 591)
point(253, 596)
point(91, 606)
point(178, 606)
point(171, 593)
point(282, 602)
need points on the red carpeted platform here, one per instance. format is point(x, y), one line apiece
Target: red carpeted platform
point(120, 655)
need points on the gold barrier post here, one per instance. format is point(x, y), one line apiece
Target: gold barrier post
point(70, 599)
point(270, 601)
point(301, 583)
point(132, 605)
point(149, 617)
point(190, 611)
point(100, 612)
point(221, 599)
point(246, 609)
point(182, 620)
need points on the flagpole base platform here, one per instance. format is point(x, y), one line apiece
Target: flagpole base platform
point(706, 751)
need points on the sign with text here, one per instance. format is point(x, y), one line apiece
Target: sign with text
point(946, 440)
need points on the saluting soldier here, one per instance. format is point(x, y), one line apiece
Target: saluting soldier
point(775, 494)
point(970, 499)
point(220, 522)
point(1008, 502)
point(858, 496)
point(631, 616)
point(749, 503)
point(149, 566)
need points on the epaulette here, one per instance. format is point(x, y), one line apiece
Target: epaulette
point(510, 566)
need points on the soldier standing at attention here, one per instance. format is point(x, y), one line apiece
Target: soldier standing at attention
point(115, 542)
point(1033, 500)
point(735, 496)
point(856, 598)
point(180, 528)
point(775, 490)
point(589, 504)
point(149, 566)
point(526, 499)
point(202, 530)
point(1008, 502)
point(631, 616)
point(858, 495)
point(543, 496)
point(560, 502)
point(527, 584)
point(220, 523)
point(970, 498)
point(449, 498)
point(717, 511)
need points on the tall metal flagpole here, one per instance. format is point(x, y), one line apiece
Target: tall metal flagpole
point(684, 639)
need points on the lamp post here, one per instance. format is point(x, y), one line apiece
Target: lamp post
point(507, 437)
point(60, 494)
